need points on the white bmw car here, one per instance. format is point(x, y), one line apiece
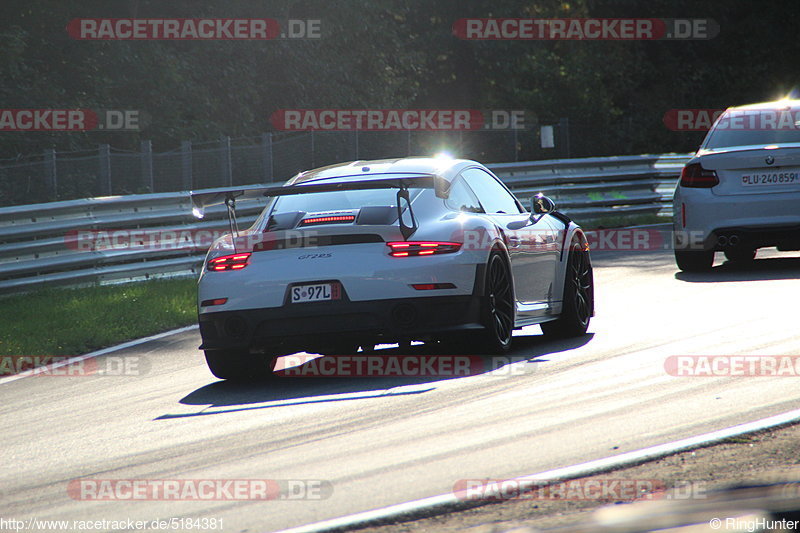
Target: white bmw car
point(741, 190)
point(389, 251)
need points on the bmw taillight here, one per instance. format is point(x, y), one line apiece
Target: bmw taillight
point(695, 175)
point(413, 248)
point(229, 262)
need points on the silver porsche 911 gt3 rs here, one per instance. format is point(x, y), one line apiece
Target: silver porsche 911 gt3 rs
point(370, 252)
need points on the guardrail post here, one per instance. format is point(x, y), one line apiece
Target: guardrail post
point(563, 134)
point(227, 174)
point(516, 146)
point(186, 165)
point(104, 174)
point(147, 165)
point(266, 156)
point(50, 173)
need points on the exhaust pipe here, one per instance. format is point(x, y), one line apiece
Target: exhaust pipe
point(724, 240)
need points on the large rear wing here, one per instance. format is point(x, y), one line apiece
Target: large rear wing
point(201, 200)
point(441, 186)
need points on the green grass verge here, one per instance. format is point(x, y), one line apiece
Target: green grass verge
point(621, 221)
point(78, 321)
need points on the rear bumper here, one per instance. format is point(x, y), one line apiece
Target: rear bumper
point(782, 237)
point(754, 221)
point(300, 327)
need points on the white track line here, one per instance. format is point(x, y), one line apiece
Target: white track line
point(98, 353)
point(558, 474)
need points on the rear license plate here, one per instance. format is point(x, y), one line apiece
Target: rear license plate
point(766, 179)
point(318, 292)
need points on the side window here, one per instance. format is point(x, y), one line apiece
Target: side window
point(462, 198)
point(493, 196)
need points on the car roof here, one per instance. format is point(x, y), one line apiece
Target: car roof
point(444, 167)
point(786, 103)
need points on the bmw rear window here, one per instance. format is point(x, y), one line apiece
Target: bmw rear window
point(754, 127)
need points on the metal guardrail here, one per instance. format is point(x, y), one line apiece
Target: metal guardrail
point(38, 246)
point(592, 188)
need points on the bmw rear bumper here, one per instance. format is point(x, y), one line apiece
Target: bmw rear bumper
point(714, 222)
point(782, 237)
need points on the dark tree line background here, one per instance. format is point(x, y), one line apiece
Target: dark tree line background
point(391, 54)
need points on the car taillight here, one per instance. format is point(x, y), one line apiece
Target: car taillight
point(412, 248)
point(338, 219)
point(229, 262)
point(695, 175)
point(215, 301)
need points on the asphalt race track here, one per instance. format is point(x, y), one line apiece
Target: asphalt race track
point(385, 441)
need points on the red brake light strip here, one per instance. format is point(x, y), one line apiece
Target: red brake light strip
point(328, 220)
point(414, 248)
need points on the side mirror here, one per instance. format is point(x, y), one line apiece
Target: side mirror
point(541, 204)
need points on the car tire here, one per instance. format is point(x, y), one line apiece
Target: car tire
point(578, 305)
point(694, 260)
point(340, 348)
point(740, 255)
point(239, 365)
point(497, 312)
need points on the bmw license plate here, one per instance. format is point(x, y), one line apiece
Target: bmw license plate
point(771, 178)
point(318, 292)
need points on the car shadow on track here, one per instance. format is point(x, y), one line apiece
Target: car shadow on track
point(534, 347)
point(771, 268)
point(281, 391)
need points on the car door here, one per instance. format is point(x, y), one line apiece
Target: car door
point(527, 240)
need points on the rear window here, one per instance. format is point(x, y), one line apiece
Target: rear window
point(755, 127)
point(339, 200)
